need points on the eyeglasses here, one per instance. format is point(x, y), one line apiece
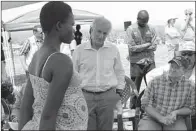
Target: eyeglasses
point(187, 53)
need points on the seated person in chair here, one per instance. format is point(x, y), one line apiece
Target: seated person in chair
point(168, 98)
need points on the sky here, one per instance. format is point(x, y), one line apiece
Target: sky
point(118, 12)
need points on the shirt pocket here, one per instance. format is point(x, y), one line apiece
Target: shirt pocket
point(87, 65)
point(136, 37)
point(108, 64)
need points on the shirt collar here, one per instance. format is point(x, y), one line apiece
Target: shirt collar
point(166, 76)
point(89, 46)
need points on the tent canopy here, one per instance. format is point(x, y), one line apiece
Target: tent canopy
point(13, 4)
point(27, 21)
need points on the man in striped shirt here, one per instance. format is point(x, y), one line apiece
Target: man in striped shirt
point(168, 98)
point(30, 46)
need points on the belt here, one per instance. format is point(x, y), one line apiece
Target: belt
point(94, 92)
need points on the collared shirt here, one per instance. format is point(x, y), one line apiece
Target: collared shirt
point(100, 69)
point(136, 37)
point(165, 96)
point(30, 46)
point(67, 48)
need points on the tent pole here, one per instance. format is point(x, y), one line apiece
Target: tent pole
point(12, 60)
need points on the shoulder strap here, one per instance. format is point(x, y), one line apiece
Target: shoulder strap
point(47, 61)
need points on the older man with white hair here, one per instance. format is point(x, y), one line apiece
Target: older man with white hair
point(98, 63)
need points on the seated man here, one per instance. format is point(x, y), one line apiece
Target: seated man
point(168, 98)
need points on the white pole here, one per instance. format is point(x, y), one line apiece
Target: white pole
point(9, 57)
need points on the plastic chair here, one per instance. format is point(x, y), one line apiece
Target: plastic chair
point(121, 114)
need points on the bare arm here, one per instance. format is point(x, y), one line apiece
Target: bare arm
point(131, 42)
point(153, 113)
point(185, 25)
point(183, 111)
point(154, 41)
point(152, 47)
point(61, 76)
point(26, 111)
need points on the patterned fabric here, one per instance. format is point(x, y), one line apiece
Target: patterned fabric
point(126, 93)
point(166, 97)
point(136, 38)
point(100, 69)
point(73, 113)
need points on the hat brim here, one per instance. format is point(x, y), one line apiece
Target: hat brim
point(177, 62)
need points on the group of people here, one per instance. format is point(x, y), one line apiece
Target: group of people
point(81, 93)
point(174, 36)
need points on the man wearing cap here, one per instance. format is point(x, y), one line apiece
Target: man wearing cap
point(172, 37)
point(30, 46)
point(168, 98)
point(185, 50)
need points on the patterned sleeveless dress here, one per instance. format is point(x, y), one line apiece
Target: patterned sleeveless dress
point(73, 112)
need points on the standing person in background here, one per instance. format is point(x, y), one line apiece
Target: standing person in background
point(98, 63)
point(78, 35)
point(142, 42)
point(172, 37)
point(30, 46)
point(188, 26)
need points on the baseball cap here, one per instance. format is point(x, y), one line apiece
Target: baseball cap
point(172, 18)
point(180, 61)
